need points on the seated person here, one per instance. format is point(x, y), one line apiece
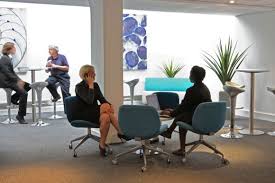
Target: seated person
point(89, 92)
point(9, 79)
point(58, 66)
point(195, 95)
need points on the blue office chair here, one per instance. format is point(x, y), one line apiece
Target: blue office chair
point(78, 114)
point(208, 119)
point(140, 123)
point(167, 100)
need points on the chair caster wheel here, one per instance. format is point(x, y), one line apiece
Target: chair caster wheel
point(71, 146)
point(168, 161)
point(183, 160)
point(114, 162)
point(143, 169)
point(225, 161)
point(75, 155)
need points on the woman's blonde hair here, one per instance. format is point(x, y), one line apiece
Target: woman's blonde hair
point(7, 48)
point(84, 70)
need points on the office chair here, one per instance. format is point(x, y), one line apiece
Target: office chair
point(208, 119)
point(140, 123)
point(167, 100)
point(78, 116)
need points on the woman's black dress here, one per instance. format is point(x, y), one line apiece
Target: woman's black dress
point(91, 97)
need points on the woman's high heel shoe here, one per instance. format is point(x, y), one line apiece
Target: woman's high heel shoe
point(103, 151)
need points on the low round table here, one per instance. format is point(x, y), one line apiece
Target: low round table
point(251, 130)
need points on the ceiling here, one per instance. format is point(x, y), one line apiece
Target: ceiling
point(240, 7)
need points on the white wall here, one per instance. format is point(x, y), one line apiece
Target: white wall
point(259, 30)
point(66, 26)
point(182, 37)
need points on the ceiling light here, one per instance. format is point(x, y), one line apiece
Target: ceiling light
point(231, 1)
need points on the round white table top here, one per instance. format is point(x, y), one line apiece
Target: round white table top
point(36, 69)
point(252, 70)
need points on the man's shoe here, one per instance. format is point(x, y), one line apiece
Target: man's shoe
point(178, 152)
point(56, 99)
point(166, 134)
point(14, 101)
point(21, 119)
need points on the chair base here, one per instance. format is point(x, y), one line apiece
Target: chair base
point(253, 133)
point(9, 121)
point(83, 139)
point(271, 133)
point(232, 135)
point(53, 117)
point(142, 148)
point(40, 123)
point(196, 144)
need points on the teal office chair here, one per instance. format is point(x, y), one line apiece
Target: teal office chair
point(208, 119)
point(140, 123)
point(167, 100)
point(79, 116)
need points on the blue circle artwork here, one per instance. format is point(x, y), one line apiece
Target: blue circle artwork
point(140, 31)
point(134, 38)
point(142, 65)
point(142, 52)
point(134, 42)
point(131, 59)
point(129, 25)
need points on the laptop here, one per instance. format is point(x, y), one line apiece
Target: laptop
point(152, 100)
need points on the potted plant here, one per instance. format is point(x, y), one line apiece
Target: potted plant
point(171, 69)
point(226, 60)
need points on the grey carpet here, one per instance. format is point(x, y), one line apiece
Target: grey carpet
point(39, 155)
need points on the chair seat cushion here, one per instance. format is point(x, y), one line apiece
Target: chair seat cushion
point(189, 127)
point(84, 124)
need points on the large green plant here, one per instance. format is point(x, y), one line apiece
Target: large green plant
point(170, 69)
point(226, 60)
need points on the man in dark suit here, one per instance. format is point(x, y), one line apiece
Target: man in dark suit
point(9, 79)
point(195, 95)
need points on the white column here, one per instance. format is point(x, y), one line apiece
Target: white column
point(106, 29)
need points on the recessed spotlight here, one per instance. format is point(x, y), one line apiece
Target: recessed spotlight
point(231, 1)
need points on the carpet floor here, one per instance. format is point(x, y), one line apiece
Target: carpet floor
point(41, 155)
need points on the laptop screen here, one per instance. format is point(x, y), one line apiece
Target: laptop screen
point(152, 100)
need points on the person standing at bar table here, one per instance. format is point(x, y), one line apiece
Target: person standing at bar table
point(9, 79)
point(58, 67)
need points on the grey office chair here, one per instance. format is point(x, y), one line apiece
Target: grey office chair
point(272, 90)
point(55, 115)
point(38, 88)
point(233, 90)
point(9, 120)
point(132, 85)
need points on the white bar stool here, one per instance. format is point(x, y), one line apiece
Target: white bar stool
point(55, 115)
point(9, 120)
point(233, 90)
point(132, 85)
point(38, 87)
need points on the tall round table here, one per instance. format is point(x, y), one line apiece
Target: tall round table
point(251, 130)
point(272, 90)
point(33, 71)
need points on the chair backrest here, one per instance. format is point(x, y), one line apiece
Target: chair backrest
point(167, 100)
point(76, 109)
point(209, 117)
point(139, 121)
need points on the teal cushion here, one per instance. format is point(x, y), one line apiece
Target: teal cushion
point(189, 127)
point(167, 84)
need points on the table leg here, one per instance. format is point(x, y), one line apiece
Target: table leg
point(33, 98)
point(251, 130)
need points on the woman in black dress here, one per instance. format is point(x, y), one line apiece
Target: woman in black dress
point(89, 92)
